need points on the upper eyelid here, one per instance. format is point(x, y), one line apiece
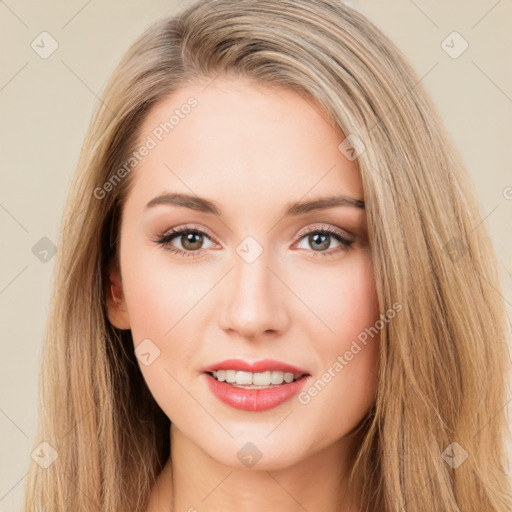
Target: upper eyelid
point(186, 228)
point(320, 227)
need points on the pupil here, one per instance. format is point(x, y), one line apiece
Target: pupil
point(189, 239)
point(323, 244)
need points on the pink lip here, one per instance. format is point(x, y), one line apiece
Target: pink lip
point(256, 367)
point(254, 399)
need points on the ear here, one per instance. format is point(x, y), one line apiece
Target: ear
point(116, 304)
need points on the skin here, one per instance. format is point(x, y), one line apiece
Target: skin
point(252, 149)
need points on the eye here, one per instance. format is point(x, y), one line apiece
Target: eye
point(189, 238)
point(192, 239)
point(321, 238)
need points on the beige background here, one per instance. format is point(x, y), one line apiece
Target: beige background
point(46, 104)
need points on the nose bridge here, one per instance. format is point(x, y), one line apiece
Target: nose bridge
point(253, 301)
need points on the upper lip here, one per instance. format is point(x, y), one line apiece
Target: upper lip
point(263, 365)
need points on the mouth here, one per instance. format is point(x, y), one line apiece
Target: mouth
point(254, 386)
point(255, 391)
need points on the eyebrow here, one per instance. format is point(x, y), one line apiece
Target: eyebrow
point(211, 207)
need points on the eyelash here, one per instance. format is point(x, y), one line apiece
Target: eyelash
point(165, 239)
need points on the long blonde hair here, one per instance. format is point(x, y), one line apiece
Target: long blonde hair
point(444, 360)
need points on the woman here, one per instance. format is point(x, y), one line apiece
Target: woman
point(270, 289)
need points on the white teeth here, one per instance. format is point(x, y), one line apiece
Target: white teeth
point(243, 378)
point(262, 379)
point(259, 379)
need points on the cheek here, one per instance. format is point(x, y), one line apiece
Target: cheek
point(354, 305)
point(164, 302)
point(342, 297)
point(348, 351)
point(159, 295)
point(161, 302)
point(354, 312)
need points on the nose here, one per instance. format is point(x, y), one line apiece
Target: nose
point(253, 302)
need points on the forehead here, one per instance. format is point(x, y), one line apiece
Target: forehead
point(242, 144)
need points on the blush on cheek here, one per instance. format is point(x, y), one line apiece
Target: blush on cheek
point(347, 303)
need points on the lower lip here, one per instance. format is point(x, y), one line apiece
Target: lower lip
point(254, 399)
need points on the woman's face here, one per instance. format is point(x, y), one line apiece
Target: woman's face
point(255, 282)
